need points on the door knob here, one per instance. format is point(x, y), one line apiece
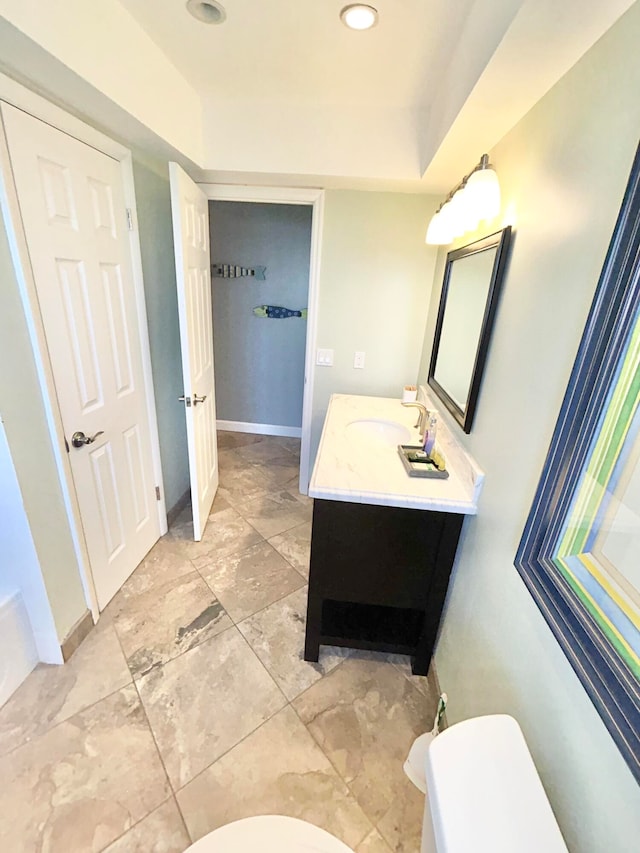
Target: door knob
point(79, 439)
point(197, 399)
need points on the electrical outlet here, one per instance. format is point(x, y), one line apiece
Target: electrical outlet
point(358, 360)
point(324, 357)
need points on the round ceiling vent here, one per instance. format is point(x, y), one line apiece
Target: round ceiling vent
point(207, 11)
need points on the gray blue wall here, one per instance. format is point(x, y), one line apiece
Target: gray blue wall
point(156, 244)
point(259, 363)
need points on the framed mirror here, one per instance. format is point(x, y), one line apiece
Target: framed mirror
point(470, 289)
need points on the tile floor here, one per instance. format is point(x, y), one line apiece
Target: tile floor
point(190, 705)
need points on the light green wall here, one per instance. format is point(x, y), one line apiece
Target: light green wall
point(563, 170)
point(156, 245)
point(376, 275)
point(22, 410)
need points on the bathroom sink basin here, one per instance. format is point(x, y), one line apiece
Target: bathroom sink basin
point(379, 431)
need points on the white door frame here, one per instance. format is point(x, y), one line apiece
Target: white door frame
point(292, 195)
point(22, 98)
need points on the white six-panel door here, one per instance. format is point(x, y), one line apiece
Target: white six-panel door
point(73, 210)
point(190, 212)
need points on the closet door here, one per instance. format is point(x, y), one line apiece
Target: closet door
point(190, 212)
point(72, 204)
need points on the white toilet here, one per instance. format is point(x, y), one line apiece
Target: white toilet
point(483, 794)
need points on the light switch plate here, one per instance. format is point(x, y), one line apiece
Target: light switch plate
point(358, 360)
point(324, 357)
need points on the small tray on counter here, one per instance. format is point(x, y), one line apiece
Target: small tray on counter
point(434, 470)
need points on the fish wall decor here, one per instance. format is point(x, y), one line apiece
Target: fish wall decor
point(235, 271)
point(276, 312)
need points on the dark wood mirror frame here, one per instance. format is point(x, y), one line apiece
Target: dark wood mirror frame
point(500, 241)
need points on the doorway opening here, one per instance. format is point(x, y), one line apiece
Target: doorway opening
point(309, 200)
point(260, 257)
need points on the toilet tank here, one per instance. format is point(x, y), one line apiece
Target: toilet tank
point(484, 793)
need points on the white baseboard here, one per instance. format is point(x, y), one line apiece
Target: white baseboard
point(260, 429)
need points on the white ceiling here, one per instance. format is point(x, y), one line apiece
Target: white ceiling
point(290, 95)
point(298, 51)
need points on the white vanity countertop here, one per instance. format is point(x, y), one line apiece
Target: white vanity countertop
point(356, 470)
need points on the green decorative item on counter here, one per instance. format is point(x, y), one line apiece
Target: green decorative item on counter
point(417, 463)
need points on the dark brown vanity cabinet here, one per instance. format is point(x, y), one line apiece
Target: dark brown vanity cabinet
point(378, 578)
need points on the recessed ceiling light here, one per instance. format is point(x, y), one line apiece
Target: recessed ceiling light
point(359, 17)
point(207, 11)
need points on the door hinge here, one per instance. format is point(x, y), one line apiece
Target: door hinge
point(129, 219)
point(157, 493)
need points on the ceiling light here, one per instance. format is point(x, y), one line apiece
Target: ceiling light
point(207, 11)
point(359, 17)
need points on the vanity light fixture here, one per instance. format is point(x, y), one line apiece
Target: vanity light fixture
point(475, 198)
point(359, 16)
point(207, 11)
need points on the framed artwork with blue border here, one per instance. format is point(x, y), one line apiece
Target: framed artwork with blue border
point(580, 551)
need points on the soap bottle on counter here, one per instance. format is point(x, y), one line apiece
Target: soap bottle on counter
point(430, 434)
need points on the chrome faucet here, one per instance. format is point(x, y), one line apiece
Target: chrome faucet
point(423, 417)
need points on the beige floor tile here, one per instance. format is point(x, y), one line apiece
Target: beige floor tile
point(426, 684)
point(375, 843)
point(161, 565)
point(365, 715)
point(246, 483)
point(84, 782)
point(162, 831)
point(202, 703)
point(228, 440)
point(304, 499)
point(276, 635)
point(247, 581)
point(186, 514)
point(220, 503)
point(401, 825)
point(276, 770)
point(283, 473)
point(157, 625)
point(51, 694)
point(183, 516)
point(275, 513)
point(268, 451)
point(291, 444)
point(226, 532)
point(261, 453)
point(232, 462)
point(295, 547)
point(293, 485)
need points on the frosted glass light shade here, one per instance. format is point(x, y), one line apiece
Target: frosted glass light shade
point(465, 210)
point(483, 192)
point(453, 217)
point(438, 234)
